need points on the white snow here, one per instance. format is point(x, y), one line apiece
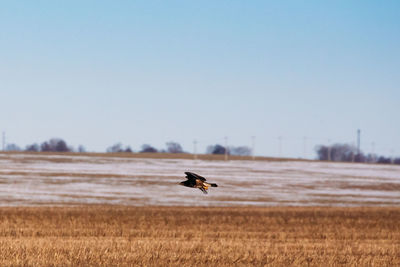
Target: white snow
point(29, 179)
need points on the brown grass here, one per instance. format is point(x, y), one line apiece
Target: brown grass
point(188, 236)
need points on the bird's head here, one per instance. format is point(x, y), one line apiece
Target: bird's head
point(182, 183)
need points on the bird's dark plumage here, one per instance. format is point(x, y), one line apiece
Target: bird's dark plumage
point(193, 176)
point(197, 181)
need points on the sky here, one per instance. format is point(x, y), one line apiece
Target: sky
point(291, 74)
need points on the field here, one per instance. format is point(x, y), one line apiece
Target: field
point(128, 210)
point(199, 236)
point(64, 179)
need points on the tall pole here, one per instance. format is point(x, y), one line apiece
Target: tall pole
point(226, 148)
point(358, 141)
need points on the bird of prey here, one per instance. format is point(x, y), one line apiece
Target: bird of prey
point(197, 181)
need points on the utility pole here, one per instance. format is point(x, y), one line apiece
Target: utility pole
point(358, 141)
point(195, 149)
point(253, 147)
point(226, 148)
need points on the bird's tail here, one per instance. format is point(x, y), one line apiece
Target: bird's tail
point(214, 185)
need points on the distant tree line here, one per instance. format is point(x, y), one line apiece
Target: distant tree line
point(171, 147)
point(59, 145)
point(349, 153)
point(174, 147)
point(52, 145)
point(335, 152)
point(232, 150)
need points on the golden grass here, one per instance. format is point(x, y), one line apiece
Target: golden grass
point(189, 236)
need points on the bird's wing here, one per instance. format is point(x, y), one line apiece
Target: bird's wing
point(193, 176)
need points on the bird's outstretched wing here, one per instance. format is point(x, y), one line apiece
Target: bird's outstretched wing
point(193, 176)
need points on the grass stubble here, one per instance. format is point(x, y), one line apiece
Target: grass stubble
point(196, 236)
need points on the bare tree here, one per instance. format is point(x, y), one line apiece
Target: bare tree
point(384, 160)
point(55, 145)
point(45, 147)
point(216, 149)
point(360, 157)
point(240, 151)
point(12, 147)
point(173, 147)
point(371, 158)
point(148, 149)
point(339, 152)
point(118, 148)
point(33, 147)
point(115, 148)
point(61, 146)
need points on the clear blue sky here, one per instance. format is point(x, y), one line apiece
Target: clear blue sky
point(101, 72)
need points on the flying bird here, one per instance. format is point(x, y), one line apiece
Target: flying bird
point(197, 181)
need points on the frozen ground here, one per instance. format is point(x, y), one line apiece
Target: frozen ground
point(29, 179)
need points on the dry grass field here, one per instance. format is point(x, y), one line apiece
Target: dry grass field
point(195, 236)
point(122, 210)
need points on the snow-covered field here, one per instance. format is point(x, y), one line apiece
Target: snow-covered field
point(30, 179)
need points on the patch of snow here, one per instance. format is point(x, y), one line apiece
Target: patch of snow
point(27, 179)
